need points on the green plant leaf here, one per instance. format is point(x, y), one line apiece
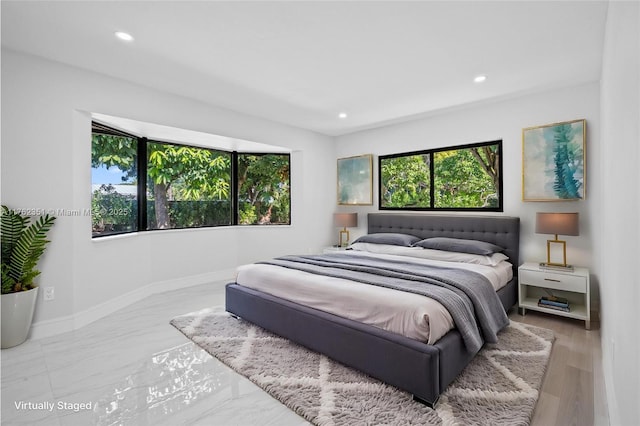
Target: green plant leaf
point(26, 244)
point(12, 226)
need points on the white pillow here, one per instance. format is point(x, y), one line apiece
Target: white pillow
point(423, 253)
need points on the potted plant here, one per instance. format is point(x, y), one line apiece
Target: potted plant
point(23, 243)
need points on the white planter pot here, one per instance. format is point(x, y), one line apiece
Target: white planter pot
point(17, 314)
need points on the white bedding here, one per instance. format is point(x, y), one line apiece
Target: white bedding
point(412, 315)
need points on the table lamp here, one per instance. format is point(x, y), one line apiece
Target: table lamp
point(557, 224)
point(345, 220)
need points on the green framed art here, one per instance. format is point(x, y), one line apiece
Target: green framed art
point(355, 180)
point(553, 161)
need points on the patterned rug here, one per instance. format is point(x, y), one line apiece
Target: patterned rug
point(499, 387)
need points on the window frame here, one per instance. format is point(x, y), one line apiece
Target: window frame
point(431, 153)
point(142, 174)
point(99, 128)
point(236, 186)
point(146, 175)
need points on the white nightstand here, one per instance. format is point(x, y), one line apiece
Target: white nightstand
point(534, 282)
point(332, 249)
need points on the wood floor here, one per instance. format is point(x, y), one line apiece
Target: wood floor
point(573, 392)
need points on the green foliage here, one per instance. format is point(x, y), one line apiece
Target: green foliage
point(247, 213)
point(192, 214)
point(118, 151)
point(263, 189)
point(181, 173)
point(567, 161)
point(194, 173)
point(187, 183)
point(12, 227)
point(405, 181)
point(112, 212)
point(460, 180)
point(23, 243)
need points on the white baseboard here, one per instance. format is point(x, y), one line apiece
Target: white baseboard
point(48, 328)
point(51, 327)
point(190, 281)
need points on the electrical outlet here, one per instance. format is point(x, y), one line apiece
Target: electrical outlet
point(49, 293)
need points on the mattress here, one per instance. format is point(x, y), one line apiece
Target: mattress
point(412, 315)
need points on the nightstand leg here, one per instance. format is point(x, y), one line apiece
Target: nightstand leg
point(587, 324)
point(522, 311)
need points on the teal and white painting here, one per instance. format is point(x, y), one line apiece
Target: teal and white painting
point(553, 162)
point(355, 180)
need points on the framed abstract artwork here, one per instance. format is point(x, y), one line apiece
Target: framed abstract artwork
point(553, 162)
point(355, 180)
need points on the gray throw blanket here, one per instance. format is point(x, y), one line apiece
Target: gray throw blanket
point(468, 296)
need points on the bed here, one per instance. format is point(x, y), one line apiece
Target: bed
point(424, 370)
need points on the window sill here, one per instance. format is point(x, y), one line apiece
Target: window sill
point(181, 230)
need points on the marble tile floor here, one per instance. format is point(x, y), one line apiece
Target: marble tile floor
point(134, 368)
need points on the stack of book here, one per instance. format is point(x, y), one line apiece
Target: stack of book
point(553, 302)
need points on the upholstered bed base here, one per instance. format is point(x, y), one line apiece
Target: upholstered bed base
point(423, 370)
point(400, 361)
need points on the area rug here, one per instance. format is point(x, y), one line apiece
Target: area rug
point(499, 387)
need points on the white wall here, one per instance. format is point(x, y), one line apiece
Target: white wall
point(46, 164)
point(620, 228)
point(505, 120)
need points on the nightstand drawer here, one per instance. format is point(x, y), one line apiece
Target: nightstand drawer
point(553, 281)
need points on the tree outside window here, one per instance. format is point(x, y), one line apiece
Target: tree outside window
point(263, 189)
point(466, 177)
point(184, 186)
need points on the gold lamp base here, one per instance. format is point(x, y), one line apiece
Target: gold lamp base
point(564, 254)
point(343, 242)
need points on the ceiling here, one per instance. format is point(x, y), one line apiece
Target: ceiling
point(302, 63)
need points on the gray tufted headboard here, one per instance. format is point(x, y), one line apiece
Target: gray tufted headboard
point(500, 230)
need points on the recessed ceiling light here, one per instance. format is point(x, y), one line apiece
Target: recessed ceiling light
point(480, 78)
point(124, 36)
point(342, 115)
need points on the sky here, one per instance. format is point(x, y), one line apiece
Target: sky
point(102, 175)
